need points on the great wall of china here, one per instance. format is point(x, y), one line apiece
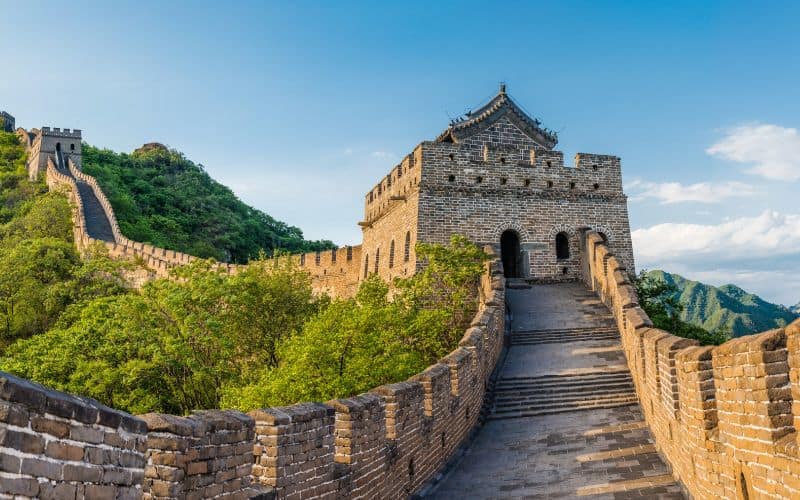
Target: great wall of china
point(723, 419)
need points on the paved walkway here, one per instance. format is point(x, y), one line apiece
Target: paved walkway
point(97, 224)
point(565, 422)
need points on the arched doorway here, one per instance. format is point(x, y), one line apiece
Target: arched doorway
point(509, 252)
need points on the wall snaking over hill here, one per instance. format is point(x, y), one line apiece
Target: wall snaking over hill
point(724, 417)
point(335, 272)
point(387, 443)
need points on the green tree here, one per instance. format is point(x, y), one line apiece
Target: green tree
point(377, 337)
point(173, 346)
point(659, 300)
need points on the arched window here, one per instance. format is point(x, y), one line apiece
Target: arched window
point(407, 250)
point(391, 254)
point(72, 147)
point(377, 258)
point(366, 265)
point(562, 246)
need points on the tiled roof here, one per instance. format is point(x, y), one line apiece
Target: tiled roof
point(501, 105)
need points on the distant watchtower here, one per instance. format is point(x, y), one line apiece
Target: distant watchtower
point(6, 122)
point(494, 176)
point(46, 142)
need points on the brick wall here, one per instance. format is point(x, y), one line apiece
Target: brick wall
point(725, 418)
point(206, 455)
point(53, 445)
point(390, 222)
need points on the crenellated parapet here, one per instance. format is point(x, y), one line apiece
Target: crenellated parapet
point(386, 443)
point(7, 122)
point(725, 418)
point(41, 144)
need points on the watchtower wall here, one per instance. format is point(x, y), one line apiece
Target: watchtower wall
point(482, 196)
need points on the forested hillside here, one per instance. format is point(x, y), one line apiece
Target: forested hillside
point(727, 308)
point(41, 273)
point(208, 339)
point(162, 198)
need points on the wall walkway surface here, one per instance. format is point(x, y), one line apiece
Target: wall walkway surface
point(724, 417)
point(386, 443)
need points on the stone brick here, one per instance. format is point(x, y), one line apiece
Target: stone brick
point(42, 468)
point(99, 492)
point(25, 487)
point(53, 427)
point(22, 441)
point(59, 491)
point(84, 473)
point(64, 451)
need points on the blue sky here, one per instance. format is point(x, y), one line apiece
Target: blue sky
point(300, 107)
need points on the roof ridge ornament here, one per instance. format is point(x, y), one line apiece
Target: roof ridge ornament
point(501, 105)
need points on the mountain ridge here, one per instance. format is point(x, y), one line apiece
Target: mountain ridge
point(727, 307)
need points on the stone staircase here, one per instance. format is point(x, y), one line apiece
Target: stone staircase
point(564, 419)
point(97, 224)
point(536, 337)
point(544, 395)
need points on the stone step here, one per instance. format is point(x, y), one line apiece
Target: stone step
point(565, 339)
point(567, 400)
point(576, 378)
point(97, 224)
point(516, 388)
point(561, 331)
point(508, 394)
point(533, 399)
point(556, 406)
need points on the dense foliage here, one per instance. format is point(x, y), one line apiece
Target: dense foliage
point(257, 338)
point(356, 344)
point(658, 298)
point(160, 197)
point(41, 274)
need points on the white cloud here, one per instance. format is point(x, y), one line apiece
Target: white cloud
point(701, 192)
point(773, 151)
point(760, 254)
point(769, 234)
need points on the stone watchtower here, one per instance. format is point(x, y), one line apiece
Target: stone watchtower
point(6, 122)
point(494, 177)
point(49, 142)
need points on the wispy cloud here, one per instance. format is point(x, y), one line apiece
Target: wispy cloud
point(701, 192)
point(769, 234)
point(772, 151)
